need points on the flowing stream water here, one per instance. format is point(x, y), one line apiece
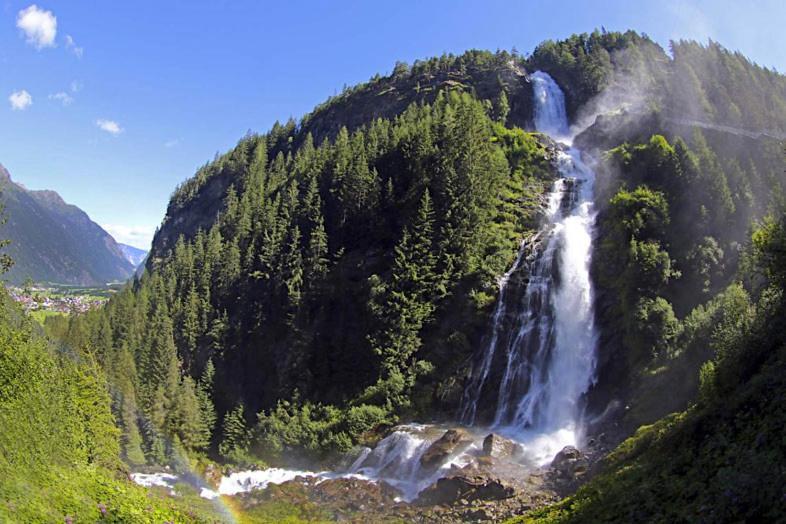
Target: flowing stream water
point(539, 358)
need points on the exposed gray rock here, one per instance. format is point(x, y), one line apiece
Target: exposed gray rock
point(452, 442)
point(499, 447)
point(570, 463)
point(450, 490)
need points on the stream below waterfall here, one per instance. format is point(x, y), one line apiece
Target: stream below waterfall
point(537, 362)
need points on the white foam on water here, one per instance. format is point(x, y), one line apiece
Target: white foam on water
point(149, 480)
point(245, 481)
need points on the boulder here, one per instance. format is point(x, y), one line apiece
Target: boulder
point(570, 463)
point(500, 447)
point(450, 490)
point(354, 494)
point(452, 442)
point(213, 475)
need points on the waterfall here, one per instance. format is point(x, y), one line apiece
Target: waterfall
point(550, 115)
point(539, 358)
point(547, 355)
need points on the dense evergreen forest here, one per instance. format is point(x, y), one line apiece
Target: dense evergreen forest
point(329, 278)
point(354, 268)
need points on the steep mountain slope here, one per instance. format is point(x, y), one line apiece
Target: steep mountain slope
point(485, 75)
point(52, 241)
point(133, 254)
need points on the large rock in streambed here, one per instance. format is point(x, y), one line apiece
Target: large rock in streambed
point(499, 447)
point(464, 488)
point(353, 494)
point(570, 463)
point(454, 441)
point(339, 495)
point(452, 489)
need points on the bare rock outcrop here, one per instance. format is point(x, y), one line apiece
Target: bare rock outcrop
point(454, 441)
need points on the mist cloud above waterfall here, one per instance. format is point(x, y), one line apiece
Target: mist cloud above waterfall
point(631, 89)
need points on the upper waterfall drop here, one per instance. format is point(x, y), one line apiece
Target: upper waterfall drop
point(547, 354)
point(550, 115)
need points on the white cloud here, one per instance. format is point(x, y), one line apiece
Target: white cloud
point(20, 100)
point(137, 236)
point(62, 97)
point(71, 46)
point(39, 26)
point(110, 126)
point(171, 143)
point(76, 86)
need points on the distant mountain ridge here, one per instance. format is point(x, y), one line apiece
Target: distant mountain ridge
point(53, 241)
point(133, 254)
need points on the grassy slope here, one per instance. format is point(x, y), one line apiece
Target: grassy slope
point(719, 463)
point(58, 447)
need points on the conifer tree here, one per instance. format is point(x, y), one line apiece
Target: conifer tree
point(316, 254)
point(234, 434)
point(404, 304)
point(204, 393)
point(185, 420)
point(190, 328)
point(126, 409)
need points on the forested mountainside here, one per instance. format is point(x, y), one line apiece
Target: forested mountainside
point(52, 241)
point(700, 84)
point(323, 281)
point(354, 268)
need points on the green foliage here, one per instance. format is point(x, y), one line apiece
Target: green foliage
point(638, 269)
point(656, 326)
point(769, 247)
point(207, 410)
point(666, 247)
point(403, 306)
point(59, 446)
point(234, 435)
point(501, 107)
point(364, 418)
point(315, 429)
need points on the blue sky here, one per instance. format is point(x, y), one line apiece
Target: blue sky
point(112, 104)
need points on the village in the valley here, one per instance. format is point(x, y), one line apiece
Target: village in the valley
point(54, 299)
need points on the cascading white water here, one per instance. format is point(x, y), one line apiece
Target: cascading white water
point(550, 115)
point(549, 356)
point(397, 459)
point(472, 391)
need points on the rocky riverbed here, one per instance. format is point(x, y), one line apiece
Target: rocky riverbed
point(417, 473)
